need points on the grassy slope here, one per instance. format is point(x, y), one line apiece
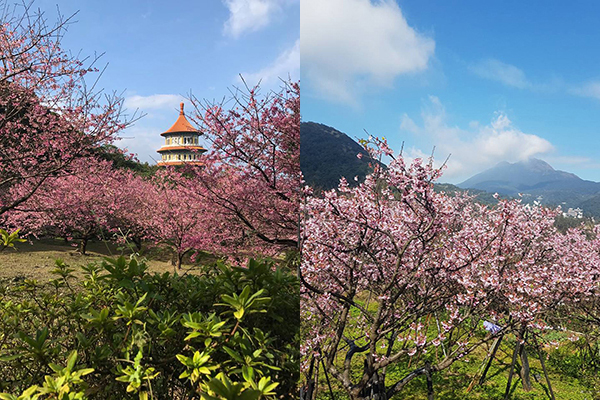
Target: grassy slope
point(35, 261)
point(452, 384)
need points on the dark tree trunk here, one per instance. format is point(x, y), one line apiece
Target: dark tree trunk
point(525, 370)
point(306, 391)
point(542, 356)
point(138, 243)
point(512, 364)
point(176, 261)
point(375, 389)
point(491, 356)
point(429, 381)
point(83, 245)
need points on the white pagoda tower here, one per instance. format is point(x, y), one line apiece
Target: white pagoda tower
point(181, 143)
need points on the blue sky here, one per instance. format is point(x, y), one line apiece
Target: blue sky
point(482, 81)
point(159, 51)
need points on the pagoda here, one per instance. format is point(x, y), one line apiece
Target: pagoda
point(181, 143)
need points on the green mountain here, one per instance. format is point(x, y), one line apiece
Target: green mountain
point(119, 160)
point(326, 155)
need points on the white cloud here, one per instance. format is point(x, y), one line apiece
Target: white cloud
point(143, 141)
point(506, 74)
point(589, 89)
point(286, 64)
point(344, 42)
point(475, 149)
point(512, 76)
point(250, 15)
point(153, 102)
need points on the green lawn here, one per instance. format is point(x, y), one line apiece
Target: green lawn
point(452, 384)
point(35, 260)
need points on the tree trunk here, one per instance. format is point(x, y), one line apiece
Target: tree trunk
point(512, 368)
point(525, 370)
point(542, 356)
point(138, 244)
point(83, 245)
point(176, 261)
point(491, 356)
point(306, 392)
point(429, 381)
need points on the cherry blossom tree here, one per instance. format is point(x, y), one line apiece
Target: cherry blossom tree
point(251, 175)
point(171, 215)
point(93, 200)
point(394, 272)
point(49, 116)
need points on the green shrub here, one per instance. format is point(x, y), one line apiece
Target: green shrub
point(229, 333)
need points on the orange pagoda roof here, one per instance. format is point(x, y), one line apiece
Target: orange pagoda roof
point(179, 162)
point(181, 125)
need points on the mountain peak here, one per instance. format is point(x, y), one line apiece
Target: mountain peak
point(528, 176)
point(530, 163)
point(537, 164)
point(328, 155)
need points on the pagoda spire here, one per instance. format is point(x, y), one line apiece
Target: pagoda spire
point(182, 145)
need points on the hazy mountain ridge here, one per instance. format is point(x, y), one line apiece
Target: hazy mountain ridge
point(535, 179)
point(328, 154)
point(531, 175)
